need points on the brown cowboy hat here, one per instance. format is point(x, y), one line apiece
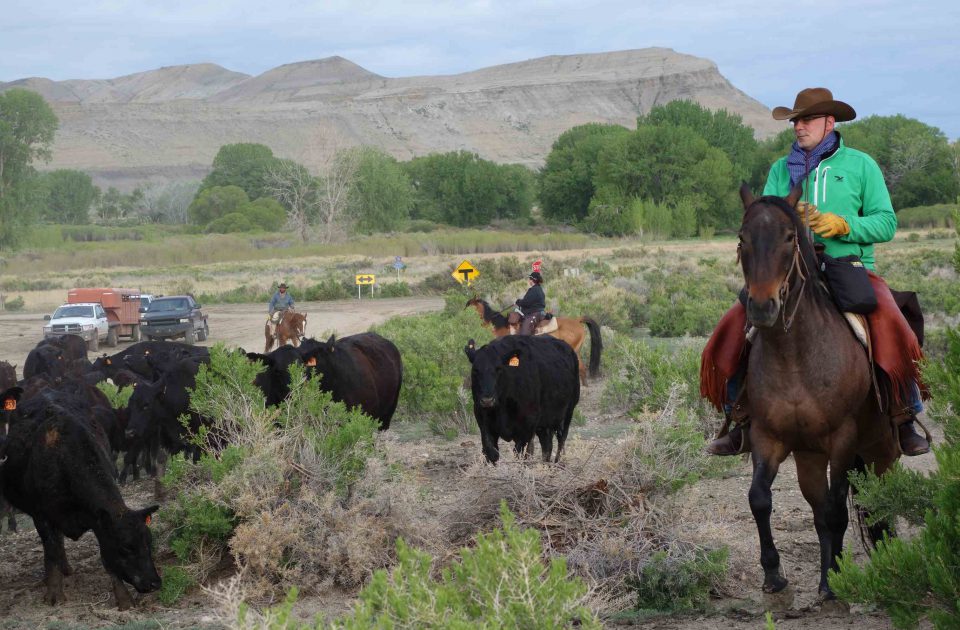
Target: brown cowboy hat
point(282, 285)
point(813, 102)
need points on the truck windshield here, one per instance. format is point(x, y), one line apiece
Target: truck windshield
point(160, 306)
point(73, 311)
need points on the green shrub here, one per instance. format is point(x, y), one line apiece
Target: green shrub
point(16, 304)
point(327, 289)
point(232, 222)
point(641, 377)
point(176, 582)
point(679, 581)
point(918, 578)
point(119, 397)
point(394, 290)
point(937, 216)
point(913, 237)
point(196, 523)
point(502, 582)
point(434, 366)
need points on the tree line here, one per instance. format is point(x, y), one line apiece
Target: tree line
point(674, 175)
point(677, 173)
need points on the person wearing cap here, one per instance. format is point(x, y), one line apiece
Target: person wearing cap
point(846, 205)
point(280, 302)
point(532, 305)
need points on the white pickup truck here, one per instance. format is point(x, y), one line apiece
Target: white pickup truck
point(87, 320)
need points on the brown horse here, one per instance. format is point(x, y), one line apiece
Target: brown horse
point(573, 330)
point(809, 387)
point(290, 329)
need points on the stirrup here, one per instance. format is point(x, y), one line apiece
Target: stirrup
point(725, 443)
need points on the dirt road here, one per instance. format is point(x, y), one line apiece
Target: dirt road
point(236, 324)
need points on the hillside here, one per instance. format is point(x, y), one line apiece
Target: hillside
point(169, 123)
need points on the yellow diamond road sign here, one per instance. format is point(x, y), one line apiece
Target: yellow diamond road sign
point(465, 273)
point(366, 278)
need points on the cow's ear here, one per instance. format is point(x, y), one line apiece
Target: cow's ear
point(147, 513)
point(11, 397)
point(470, 350)
point(256, 356)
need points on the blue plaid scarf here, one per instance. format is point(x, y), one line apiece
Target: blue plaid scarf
point(800, 163)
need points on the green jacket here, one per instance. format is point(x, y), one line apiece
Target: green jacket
point(848, 183)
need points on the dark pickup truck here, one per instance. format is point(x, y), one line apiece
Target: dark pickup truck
point(174, 316)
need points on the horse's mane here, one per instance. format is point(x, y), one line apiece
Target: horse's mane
point(806, 247)
point(494, 317)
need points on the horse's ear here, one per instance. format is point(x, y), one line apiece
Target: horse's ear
point(746, 195)
point(795, 193)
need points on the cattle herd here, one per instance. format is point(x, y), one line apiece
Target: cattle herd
point(64, 448)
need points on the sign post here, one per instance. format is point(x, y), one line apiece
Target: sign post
point(465, 273)
point(398, 265)
point(365, 278)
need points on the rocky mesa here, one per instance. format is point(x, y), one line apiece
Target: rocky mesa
point(168, 124)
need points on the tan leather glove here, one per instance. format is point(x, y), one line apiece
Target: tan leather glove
point(807, 212)
point(828, 225)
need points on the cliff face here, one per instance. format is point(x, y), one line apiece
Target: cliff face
point(169, 123)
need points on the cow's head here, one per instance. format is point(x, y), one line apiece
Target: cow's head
point(143, 406)
point(126, 547)
point(491, 366)
point(319, 358)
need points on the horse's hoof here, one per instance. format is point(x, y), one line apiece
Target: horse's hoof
point(832, 606)
point(781, 600)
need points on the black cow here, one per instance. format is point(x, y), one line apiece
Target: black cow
point(8, 376)
point(9, 397)
point(523, 385)
point(155, 408)
point(274, 381)
point(362, 370)
point(59, 472)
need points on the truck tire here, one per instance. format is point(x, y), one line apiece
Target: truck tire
point(112, 338)
point(94, 344)
point(190, 337)
point(135, 335)
point(203, 333)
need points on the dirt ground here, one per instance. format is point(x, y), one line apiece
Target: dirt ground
point(234, 324)
point(441, 468)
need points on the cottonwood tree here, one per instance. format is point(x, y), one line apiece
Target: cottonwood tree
point(292, 185)
point(27, 127)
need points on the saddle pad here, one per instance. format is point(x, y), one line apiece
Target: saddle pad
point(858, 324)
point(547, 326)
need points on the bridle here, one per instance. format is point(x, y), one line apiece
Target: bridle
point(795, 270)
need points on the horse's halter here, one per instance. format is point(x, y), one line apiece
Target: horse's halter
point(795, 269)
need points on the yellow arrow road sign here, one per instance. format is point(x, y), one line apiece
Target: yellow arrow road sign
point(366, 278)
point(465, 273)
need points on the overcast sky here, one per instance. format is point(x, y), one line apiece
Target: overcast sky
point(882, 57)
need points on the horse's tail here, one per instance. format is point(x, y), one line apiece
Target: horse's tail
point(596, 345)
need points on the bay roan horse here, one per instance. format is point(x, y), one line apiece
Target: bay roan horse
point(290, 329)
point(809, 385)
point(573, 330)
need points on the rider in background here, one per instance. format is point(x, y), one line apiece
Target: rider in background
point(533, 304)
point(280, 302)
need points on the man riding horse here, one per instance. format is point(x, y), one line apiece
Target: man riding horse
point(847, 206)
point(280, 302)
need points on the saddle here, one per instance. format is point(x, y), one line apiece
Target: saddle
point(891, 340)
point(545, 326)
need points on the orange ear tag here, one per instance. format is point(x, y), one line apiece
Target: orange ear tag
point(9, 404)
point(514, 361)
point(312, 361)
point(108, 362)
point(147, 520)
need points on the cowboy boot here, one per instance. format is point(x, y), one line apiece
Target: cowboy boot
point(911, 442)
point(736, 441)
point(733, 442)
